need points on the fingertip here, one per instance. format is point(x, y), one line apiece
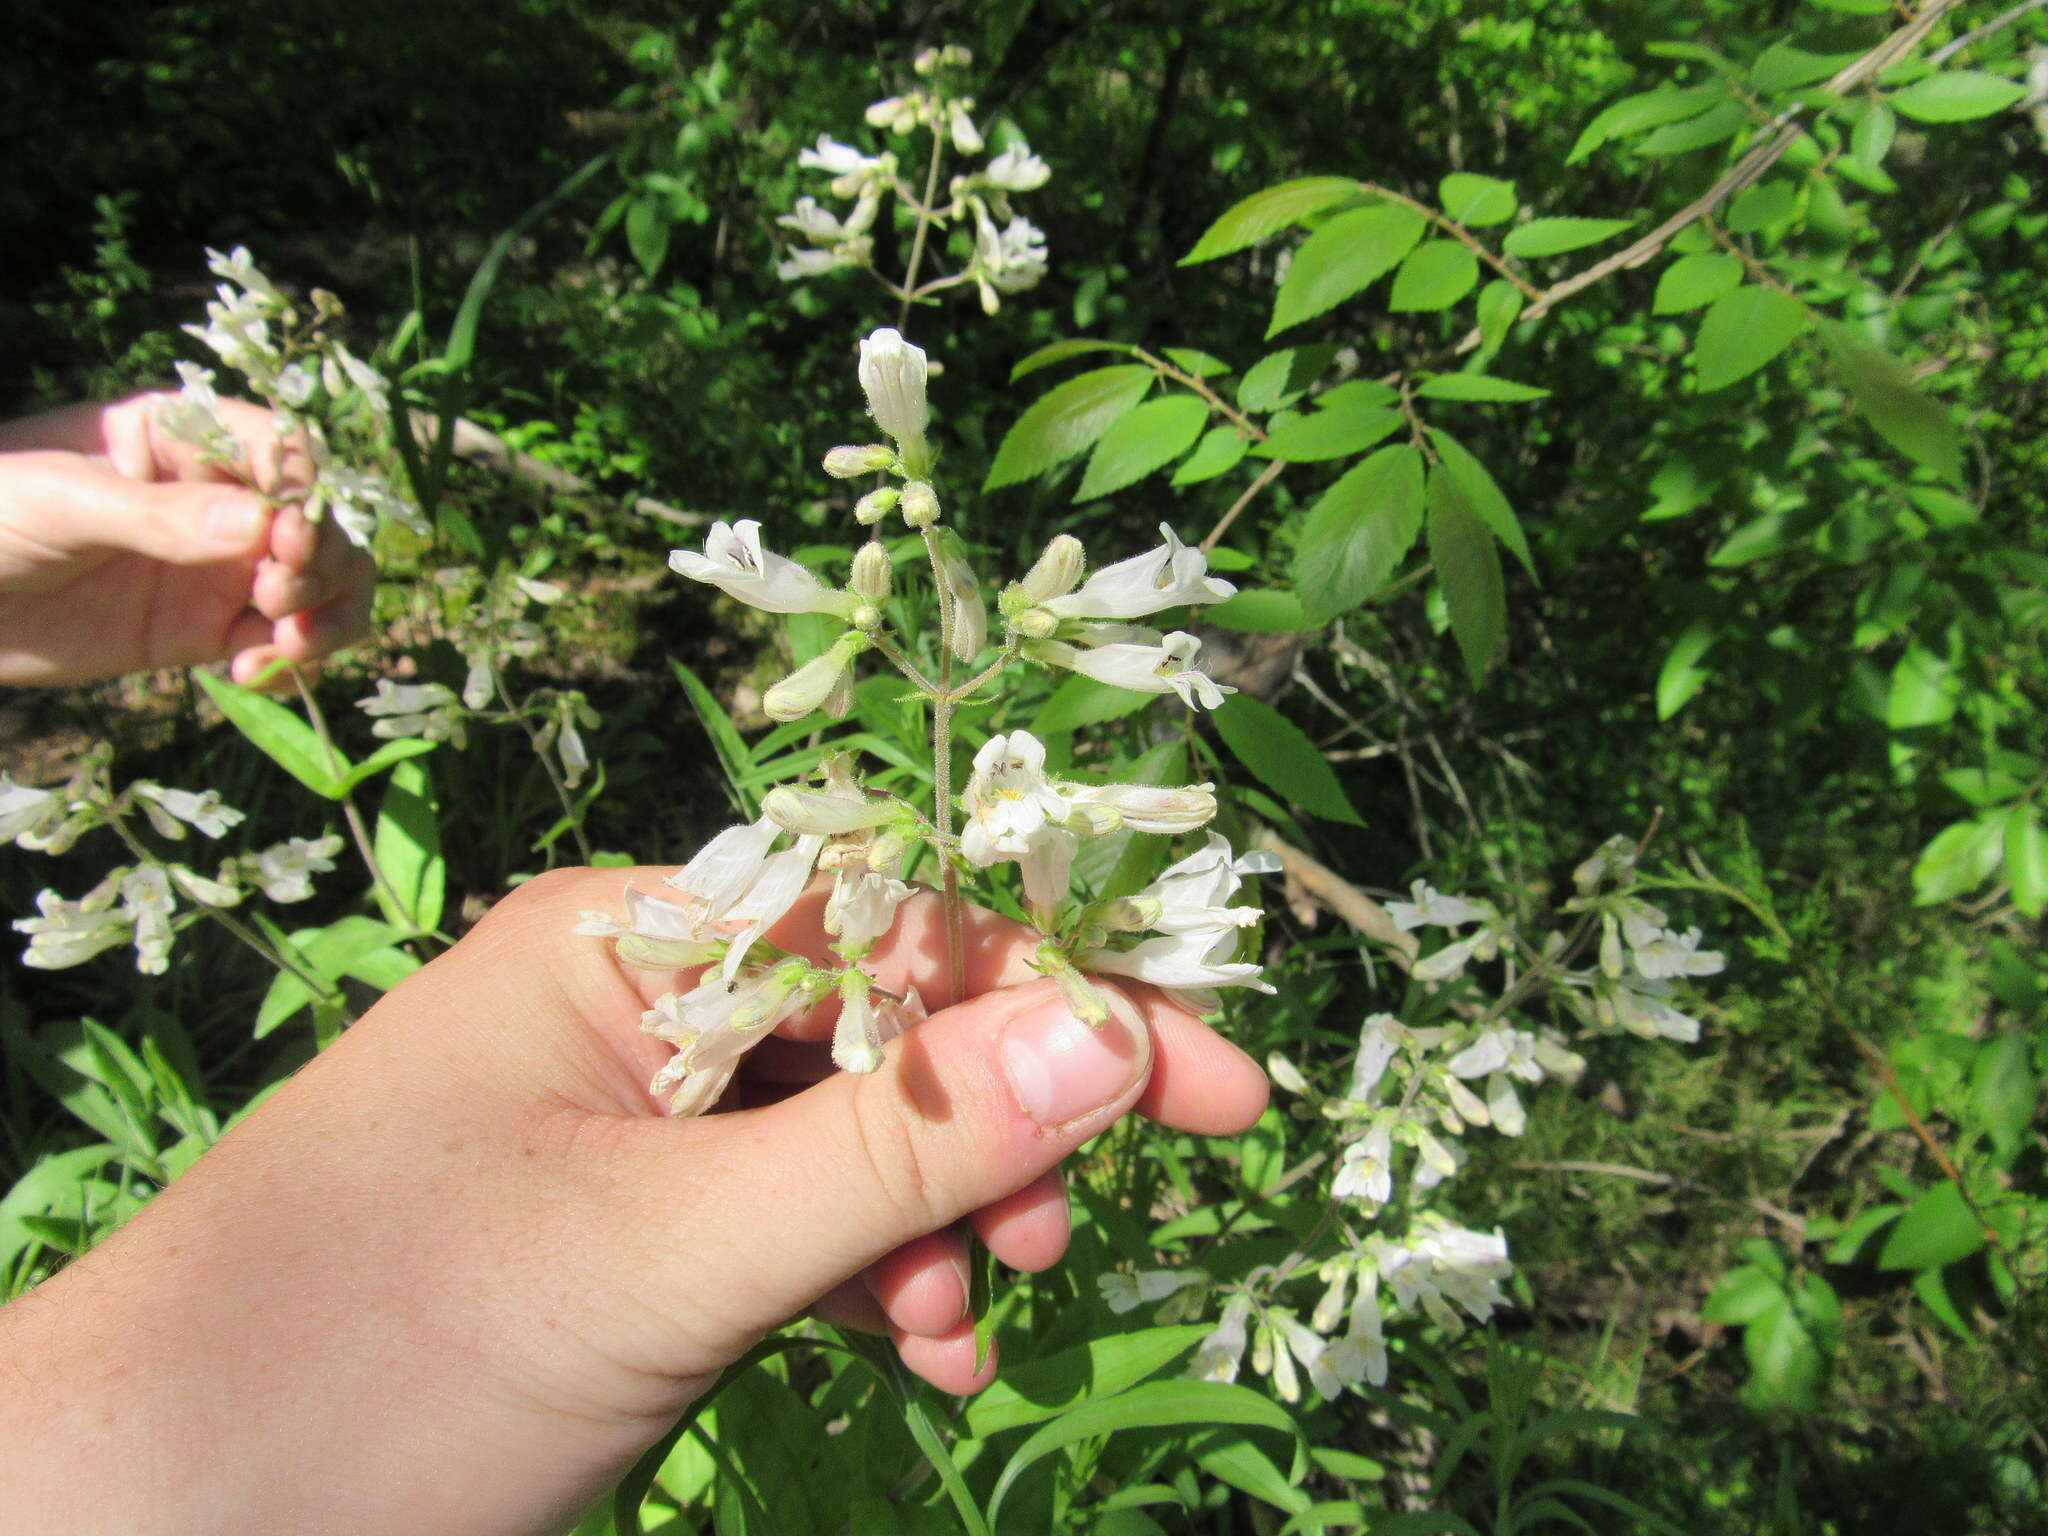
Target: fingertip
point(1027, 1230)
point(293, 540)
point(948, 1362)
point(1200, 1081)
point(923, 1285)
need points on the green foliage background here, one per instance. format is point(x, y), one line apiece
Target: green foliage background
point(1815, 648)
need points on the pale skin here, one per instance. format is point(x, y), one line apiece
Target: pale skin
point(121, 551)
point(460, 1271)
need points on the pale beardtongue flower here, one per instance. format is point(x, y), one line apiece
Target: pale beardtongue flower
point(1672, 954)
point(1197, 932)
point(1171, 576)
point(862, 907)
point(1016, 169)
point(285, 870)
point(427, 710)
point(893, 373)
point(169, 809)
point(28, 816)
point(1430, 907)
point(735, 562)
point(1165, 667)
point(68, 933)
point(1126, 1293)
point(1218, 1357)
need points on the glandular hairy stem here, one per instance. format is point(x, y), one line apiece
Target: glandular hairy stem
point(942, 776)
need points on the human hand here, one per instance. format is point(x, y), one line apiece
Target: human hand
point(120, 550)
point(459, 1272)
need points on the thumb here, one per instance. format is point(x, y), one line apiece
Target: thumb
point(968, 1107)
point(76, 508)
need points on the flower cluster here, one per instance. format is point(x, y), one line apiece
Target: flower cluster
point(138, 903)
point(319, 392)
point(1007, 254)
point(1180, 932)
point(1412, 1092)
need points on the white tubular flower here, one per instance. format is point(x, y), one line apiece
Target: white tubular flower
point(814, 222)
point(1430, 907)
point(238, 266)
point(295, 385)
point(1011, 259)
point(204, 890)
point(359, 498)
point(862, 907)
point(1285, 1074)
point(167, 808)
point(68, 933)
point(192, 416)
point(1167, 811)
point(818, 684)
point(799, 265)
point(1008, 799)
point(893, 373)
point(285, 870)
point(1217, 1358)
point(896, 114)
point(714, 1026)
point(1126, 1293)
point(1016, 169)
point(427, 710)
point(970, 610)
point(1197, 932)
point(1499, 1049)
point(1331, 1307)
point(1171, 576)
point(343, 366)
point(849, 462)
point(1379, 1041)
point(829, 812)
point(148, 901)
point(1313, 1353)
point(29, 815)
point(832, 157)
point(1056, 572)
point(1673, 954)
point(966, 137)
point(1361, 1355)
point(1047, 867)
point(734, 562)
point(479, 687)
point(731, 883)
point(1366, 1171)
point(1612, 860)
point(1168, 667)
point(1640, 1007)
point(856, 1038)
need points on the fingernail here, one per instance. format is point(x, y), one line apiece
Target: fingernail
point(234, 522)
point(1060, 1069)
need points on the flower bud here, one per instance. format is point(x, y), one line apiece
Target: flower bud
point(1126, 914)
point(822, 813)
point(926, 62)
point(1286, 1074)
point(966, 137)
point(847, 463)
point(876, 505)
point(1058, 571)
point(920, 504)
point(1036, 623)
point(867, 618)
point(1094, 820)
point(839, 702)
point(871, 570)
point(893, 373)
point(890, 847)
point(810, 685)
point(953, 56)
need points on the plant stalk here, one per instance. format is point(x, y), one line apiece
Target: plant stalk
point(943, 700)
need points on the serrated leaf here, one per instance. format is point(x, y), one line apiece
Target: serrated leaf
point(1435, 275)
point(1553, 237)
point(1937, 1229)
point(1279, 378)
point(1468, 567)
point(408, 849)
point(1477, 386)
point(1476, 201)
point(1959, 859)
point(1871, 139)
point(2026, 859)
point(1199, 363)
point(1340, 259)
point(1060, 351)
point(280, 735)
point(1330, 434)
point(1144, 439)
point(1221, 450)
point(1884, 391)
point(1359, 532)
point(1682, 676)
point(1067, 421)
point(1267, 212)
point(1710, 127)
point(1641, 113)
point(1781, 67)
point(1957, 96)
point(1281, 757)
point(1743, 331)
point(1483, 495)
point(1762, 206)
point(1692, 282)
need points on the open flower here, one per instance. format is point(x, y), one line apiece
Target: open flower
point(1016, 169)
point(1167, 667)
point(169, 809)
point(1197, 933)
point(1218, 1356)
point(1171, 576)
point(29, 815)
point(734, 562)
point(285, 870)
point(893, 375)
point(1432, 908)
point(1008, 799)
point(427, 710)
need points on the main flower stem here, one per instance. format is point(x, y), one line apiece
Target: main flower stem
point(943, 701)
point(924, 224)
point(357, 831)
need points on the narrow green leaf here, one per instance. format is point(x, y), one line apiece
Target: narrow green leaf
point(1331, 434)
point(1956, 96)
point(726, 741)
point(1436, 275)
point(1193, 360)
point(1468, 566)
point(280, 734)
point(1477, 386)
point(1682, 676)
point(390, 752)
point(1260, 611)
point(1553, 237)
point(1744, 330)
point(1781, 67)
point(1871, 139)
point(1641, 113)
point(1884, 391)
point(1233, 1459)
point(1142, 440)
point(1060, 351)
point(408, 849)
point(1692, 282)
point(1220, 451)
point(1066, 421)
point(1342, 258)
point(1937, 1229)
point(1476, 201)
point(1710, 127)
point(1483, 495)
point(1357, 535)
point(1281, 756)
point(1039, 1389)
point(1267, 212)
point(1498, 306)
